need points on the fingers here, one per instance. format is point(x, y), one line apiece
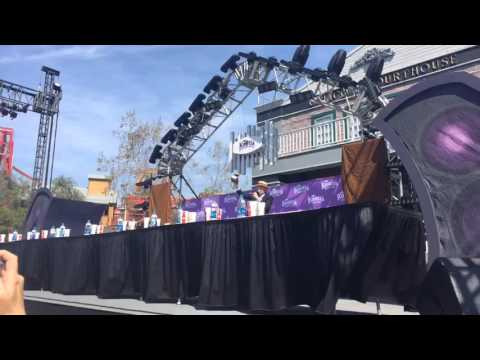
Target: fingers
point(11, 267)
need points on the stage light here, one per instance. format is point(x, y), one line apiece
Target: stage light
point(183, 120)
point(5, 112)
point(301, 54)
point(375, 69)
point(156, 154)
point(213, 105)
point(13, 114)
point(230, 64)
point(213, 84)
point(301, 97)
point(57, 87)
point(316, 74)
point(337, 62)
point(197, 104)
point(224, 93)
point(25, 108)
point(251, 57)
point(171, 135)
point(266, 87)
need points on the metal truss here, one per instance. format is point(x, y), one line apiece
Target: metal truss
point(17, 98)
point(246, 73)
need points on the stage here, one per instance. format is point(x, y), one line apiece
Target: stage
point(268, 264)
point(48, 303)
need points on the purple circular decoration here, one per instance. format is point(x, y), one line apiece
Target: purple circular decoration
point(452, 141)
point(465, 215)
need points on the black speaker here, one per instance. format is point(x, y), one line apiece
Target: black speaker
point(47, 211)
point(435, 129)
point(451, 287)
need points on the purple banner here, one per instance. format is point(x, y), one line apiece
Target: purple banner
point(301, 196)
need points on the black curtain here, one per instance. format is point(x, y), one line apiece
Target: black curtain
point(267, 263)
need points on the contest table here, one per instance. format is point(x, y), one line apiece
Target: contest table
point(267, 263)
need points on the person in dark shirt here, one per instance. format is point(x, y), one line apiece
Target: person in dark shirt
point(260, 194)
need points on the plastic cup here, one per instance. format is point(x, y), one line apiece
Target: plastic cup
point(2, 238)
point(67, 232)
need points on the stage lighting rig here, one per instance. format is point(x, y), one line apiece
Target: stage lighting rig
point(197, 104)
point(337, 63)
point(170, 136)
point(4, 112)
point(267, 87)
point(301, 55)
point(13, 114)
point(156, 154)
point(213, 105)
point(230, 64)
point(183, 120)
point(213, 84)
point(302, 97)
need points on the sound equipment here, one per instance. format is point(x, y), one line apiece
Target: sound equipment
point(47, 211)
point(435, 129)
point(451, 287)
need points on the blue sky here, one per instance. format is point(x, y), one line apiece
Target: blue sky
point(102, 83)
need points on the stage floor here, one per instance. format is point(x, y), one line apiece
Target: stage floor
point(47, 303)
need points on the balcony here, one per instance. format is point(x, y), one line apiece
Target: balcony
point(319, 136)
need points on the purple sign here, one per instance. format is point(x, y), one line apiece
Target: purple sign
point(306, 195)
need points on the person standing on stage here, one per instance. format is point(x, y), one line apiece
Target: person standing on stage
point(260, 194)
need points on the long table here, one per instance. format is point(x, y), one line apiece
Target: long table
point(267, 263)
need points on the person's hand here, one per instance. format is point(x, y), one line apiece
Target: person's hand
point(11, 286)
point(255, 196)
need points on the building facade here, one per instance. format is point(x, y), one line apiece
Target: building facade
point(310, 138)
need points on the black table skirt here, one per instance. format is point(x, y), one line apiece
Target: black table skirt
point(265, 263)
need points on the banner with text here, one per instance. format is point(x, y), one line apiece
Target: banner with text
point(301, 196)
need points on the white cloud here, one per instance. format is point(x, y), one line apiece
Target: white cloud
point(82, 52)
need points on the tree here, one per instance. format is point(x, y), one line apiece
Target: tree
point(14, 195)
point(215, 173)
point(64, 188)
point(136, 140)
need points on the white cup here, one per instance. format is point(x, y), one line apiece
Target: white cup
point(37, 235)
point(67, 232)
point(146, 221)
point(19, 237)
point(44, 234)
point(2, 238)
point(93, 229)
point(29, 235)
point(261, 208)
point(10, 237)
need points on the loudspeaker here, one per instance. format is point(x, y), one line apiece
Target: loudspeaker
point(47, 211)
point(435, 129)
point(451, 287)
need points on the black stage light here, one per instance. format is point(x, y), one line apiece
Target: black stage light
point(213, 105)
point(25, 108)
point(224, 93)
point(301, 55)
point(5, 112)
point(301, 97)
point(375, 69)
point(213, 84)
point(183, 119)
point(197, 104)
point(13, 114)
point(171, 135)
point(156, 154)
point(230, 64)
point(337, 62)
point(316, 74)
point(268, 86)
point(251, 57)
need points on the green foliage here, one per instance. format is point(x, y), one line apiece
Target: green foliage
point(14, 196)
point(64, 188)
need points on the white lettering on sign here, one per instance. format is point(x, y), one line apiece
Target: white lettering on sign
point(246, 146)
